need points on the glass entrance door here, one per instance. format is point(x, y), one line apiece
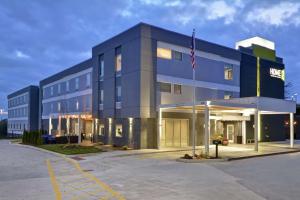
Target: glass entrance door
point(230, 132)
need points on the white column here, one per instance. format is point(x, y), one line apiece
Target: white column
point(244, 136)
point(79, 129)
point(68, 126)
point(59, 125)
point(207, 130)
point(159, 126)
point(256, 129)
point(292, 130)
point(50, 125)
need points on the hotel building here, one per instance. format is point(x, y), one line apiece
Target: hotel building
point(137, 90)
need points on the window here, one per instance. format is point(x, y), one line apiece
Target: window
point(88, 80)
point(101, 67)
point(58, 88)
point(227, 95)
point(51, 90)
point(67, 86)
point(177, 55)
point(165, 87)
point(228, 72)
point(51, 107)
point(164, 53)
point(118, 60)
point(119, 132)
point(177, 89)
point(76, 83)
point(118, 94)
point(77, 105)
point(101, 96)
point(101, 129)
point(58, 106)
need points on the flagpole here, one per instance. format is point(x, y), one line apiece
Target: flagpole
point(194, 95)
point(194, 113)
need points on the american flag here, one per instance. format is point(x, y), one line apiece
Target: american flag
point(193, 50)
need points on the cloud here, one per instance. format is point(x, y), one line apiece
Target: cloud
point(220, 9)
point(282, 14)
point(20, 54)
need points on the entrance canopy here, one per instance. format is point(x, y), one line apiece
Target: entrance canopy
point(245, 106)
point(264, 105)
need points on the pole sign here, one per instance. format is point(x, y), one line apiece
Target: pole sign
point(277, 73)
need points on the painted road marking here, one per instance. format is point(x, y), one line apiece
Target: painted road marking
point(76, 182)
point(53, 181)
point(100, 183)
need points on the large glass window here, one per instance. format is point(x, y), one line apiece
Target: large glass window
point(164, 53)
point(119, 132)
point(177, 89)
point(101, 67)
point(165, 87)
point(51, 90)
point(118, 60)
point(228, 72)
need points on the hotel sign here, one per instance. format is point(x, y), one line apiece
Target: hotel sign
point(277, 73)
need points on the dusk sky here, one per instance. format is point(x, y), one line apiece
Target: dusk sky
point(42, 37)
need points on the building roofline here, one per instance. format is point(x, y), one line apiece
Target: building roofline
point(71, 70)
point(21, 91)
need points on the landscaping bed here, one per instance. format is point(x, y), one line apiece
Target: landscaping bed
point(70, 149)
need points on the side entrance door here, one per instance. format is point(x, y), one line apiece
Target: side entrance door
point(230, 132)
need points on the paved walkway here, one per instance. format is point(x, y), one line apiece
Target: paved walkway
point(231, 152)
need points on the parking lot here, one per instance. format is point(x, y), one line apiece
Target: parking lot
point(24, 174)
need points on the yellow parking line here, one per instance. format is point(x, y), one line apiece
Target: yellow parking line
point(92, 177)
point(53, 181)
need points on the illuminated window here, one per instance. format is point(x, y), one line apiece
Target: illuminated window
point(228, 95)
point(101, 129)
point(165, 87)
point(118, 61)
point(119, 132)
point(164, 53)
point(177, 55)
point(228, 72)
point(177, 89)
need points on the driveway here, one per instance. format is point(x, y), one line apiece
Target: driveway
point(27, 173)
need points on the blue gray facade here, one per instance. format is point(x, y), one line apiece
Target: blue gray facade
point(115, 96)
point(23, 110)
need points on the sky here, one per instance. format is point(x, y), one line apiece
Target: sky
point(39, 38)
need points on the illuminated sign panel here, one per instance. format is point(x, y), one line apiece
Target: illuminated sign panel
point(277, 73)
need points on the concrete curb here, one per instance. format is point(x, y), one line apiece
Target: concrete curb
point(263, 155)
point(42, 150)
point(201, 160)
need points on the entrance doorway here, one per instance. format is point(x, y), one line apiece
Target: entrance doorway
point(175, 133)
point(230, 132)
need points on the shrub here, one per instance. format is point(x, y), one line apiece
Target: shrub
point(32, 137)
